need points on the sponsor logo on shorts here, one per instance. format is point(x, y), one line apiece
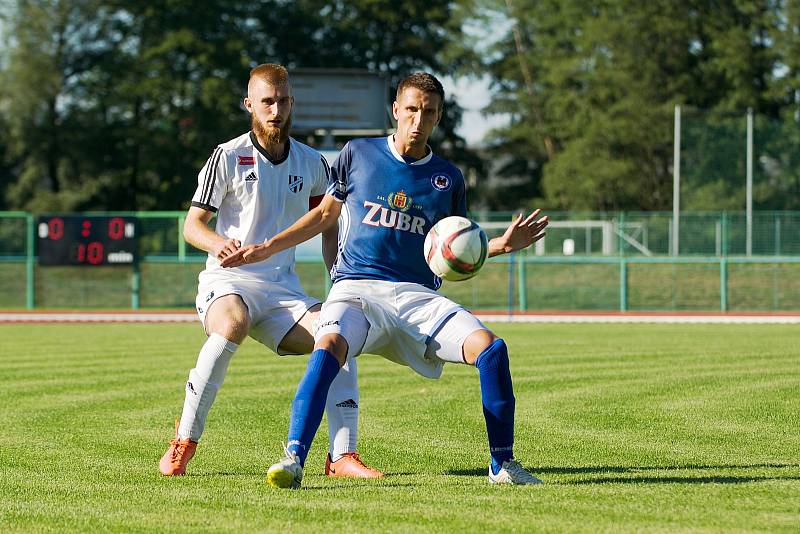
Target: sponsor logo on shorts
point(190, 387)
point(349, 403)
point(329, 323)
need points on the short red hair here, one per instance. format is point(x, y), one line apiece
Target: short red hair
point(272, 73)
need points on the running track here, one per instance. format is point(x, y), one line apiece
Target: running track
point(123, 316)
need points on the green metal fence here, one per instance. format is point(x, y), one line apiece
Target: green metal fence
point(592, 261)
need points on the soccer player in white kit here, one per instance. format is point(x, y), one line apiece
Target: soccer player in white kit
point(387, 193)
point(258, 184)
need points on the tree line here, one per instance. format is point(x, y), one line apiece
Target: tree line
point(591, 86)
point(115, 105)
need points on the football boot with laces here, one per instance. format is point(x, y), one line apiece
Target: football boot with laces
point(512, 472)
point(180, 451)
point(350, 465)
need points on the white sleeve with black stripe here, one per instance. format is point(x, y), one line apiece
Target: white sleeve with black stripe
point(211, 182)
point(323, 175)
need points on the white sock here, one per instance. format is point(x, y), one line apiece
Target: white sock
point(204, 382)
point(341, 408)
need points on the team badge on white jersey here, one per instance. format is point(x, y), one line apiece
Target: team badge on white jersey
point(295, 183)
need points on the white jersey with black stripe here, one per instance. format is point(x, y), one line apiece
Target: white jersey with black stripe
point(255, 198)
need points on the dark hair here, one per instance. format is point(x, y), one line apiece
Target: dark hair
point(424, 82)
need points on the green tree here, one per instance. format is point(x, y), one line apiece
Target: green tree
point(392, 38)
point(590, 87)
point(116, 105)
point(111, 103)
point(39, 86)
point(777, 184)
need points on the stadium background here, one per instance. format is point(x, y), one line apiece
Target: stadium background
point(112, 108)
point(621, 261)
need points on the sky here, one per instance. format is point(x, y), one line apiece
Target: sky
point(473, 95)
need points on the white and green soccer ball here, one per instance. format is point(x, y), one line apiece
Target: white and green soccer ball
point(456, 248)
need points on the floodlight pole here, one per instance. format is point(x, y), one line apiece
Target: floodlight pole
point(676, 182)
point(749, 208)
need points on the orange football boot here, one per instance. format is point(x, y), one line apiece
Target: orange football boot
point(350, 465)
point(180, 451)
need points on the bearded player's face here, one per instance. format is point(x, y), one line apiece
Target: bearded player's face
point(271, 109)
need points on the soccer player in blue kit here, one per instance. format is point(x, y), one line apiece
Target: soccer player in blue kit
point(386, 194)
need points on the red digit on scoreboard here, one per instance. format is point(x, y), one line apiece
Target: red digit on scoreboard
point(55, 228)
point(94, 253)
point(116, 228)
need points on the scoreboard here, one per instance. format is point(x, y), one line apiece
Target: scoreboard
point(86, 240)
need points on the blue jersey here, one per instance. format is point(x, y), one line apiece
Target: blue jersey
point(389, 204)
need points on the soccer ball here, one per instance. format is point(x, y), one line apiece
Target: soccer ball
point(455, 248)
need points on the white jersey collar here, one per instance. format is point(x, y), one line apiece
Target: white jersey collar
point(398, 157)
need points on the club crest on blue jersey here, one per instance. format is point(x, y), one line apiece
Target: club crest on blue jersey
point(295, 183)
point(399, 201)
point(441, 182)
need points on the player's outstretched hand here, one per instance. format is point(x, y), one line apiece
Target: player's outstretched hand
point(246, 254)
point(523, 232)
point(226, 248)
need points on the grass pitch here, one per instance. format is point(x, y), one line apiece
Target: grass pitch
point(632, 428)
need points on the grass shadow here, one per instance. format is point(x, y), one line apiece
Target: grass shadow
point(678, 480)
point(633, 471)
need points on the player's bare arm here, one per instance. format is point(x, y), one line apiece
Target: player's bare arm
point(330, 245)
point(312, 223)
point(520, 234)
point(197, 233)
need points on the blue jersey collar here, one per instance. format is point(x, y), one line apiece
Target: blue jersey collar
point(400, 158)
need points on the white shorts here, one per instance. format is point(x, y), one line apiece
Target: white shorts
point(274, 306)
point(406, 323)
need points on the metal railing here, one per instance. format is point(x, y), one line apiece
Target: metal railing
point(598, 261)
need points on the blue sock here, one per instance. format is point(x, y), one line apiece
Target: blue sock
point(497, 395)
point(309, 401)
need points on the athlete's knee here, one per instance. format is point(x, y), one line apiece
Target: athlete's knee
point(234, 329)
point(476, 343)
point(335, 344)
point(228, 319)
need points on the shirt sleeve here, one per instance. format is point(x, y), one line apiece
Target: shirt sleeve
point(322, 178)
point(337, 184)
point(211, 182)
